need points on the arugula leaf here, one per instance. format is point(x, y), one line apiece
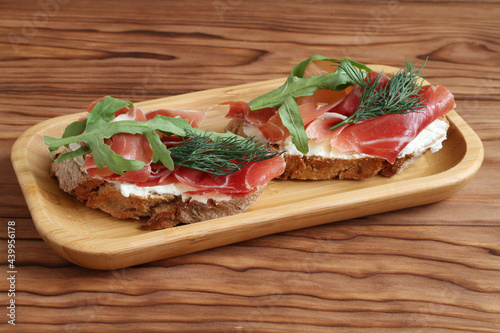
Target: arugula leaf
point(104, 111)
point(296, 85)
point(75, 128)
point(291, 118)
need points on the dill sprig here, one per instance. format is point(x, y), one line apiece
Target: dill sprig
point(219, 155)
point(402, 94)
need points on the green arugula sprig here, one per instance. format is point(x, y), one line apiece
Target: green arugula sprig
point(296, 85)
point(402, 94)
point(225, 153)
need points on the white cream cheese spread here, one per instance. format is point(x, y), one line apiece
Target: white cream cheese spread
point(128, 189)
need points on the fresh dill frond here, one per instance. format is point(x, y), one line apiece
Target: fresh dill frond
point(401, 94)
point(219, 155)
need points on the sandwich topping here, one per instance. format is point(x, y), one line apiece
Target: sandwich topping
point(118, 142)
point(431, 137)
point(345, 103)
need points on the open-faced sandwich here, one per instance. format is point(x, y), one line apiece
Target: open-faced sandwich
point(337, 118)
point(159, 164)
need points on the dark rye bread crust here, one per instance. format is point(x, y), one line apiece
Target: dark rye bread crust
point(320, 168)
point(164, 211)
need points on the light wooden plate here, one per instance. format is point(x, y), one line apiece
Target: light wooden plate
point(93, 239)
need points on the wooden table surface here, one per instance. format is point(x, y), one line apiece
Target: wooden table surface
point(434, 268)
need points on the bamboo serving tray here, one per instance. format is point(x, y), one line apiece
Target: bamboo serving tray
point(96, 240)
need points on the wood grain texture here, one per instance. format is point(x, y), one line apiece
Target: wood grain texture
point(427, 269)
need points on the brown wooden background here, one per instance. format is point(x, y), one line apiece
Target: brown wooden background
point(427, 269)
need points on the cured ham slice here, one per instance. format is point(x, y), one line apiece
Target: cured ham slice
point(324, 96)
point(253, 176)
point(386, 136)
point(133, 113)
point(268, 120)
point(275, 131)
point(159, 175)
point(319, 128)
point(241, 110)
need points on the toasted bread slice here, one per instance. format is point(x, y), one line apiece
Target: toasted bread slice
point(164, 211)
point(315, 167)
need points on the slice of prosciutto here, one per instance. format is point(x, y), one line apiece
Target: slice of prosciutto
point(387, 135)
point(241, 110)
point(268, 120)
point(242, 182)
point(319, 128)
